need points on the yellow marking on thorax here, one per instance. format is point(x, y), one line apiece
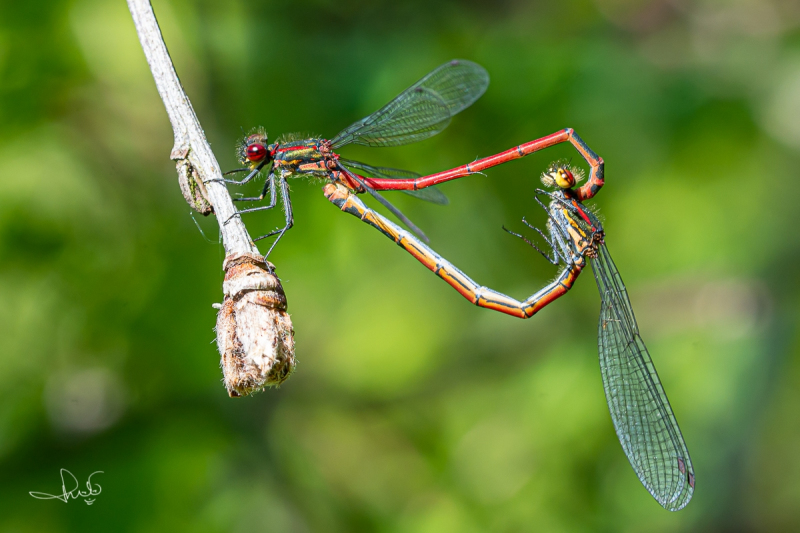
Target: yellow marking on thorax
point(579, 237)
point(303, 152)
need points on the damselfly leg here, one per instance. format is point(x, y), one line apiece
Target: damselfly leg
point(286, 200)
point(565, 244)
point(269, 185)
point(554, 257)
point(253, 173)
point(556, 254)
point(288, 217)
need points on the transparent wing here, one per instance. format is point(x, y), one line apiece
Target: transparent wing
point(641, 413)
point(422, 110)
point(430, 194)
point(396, 212)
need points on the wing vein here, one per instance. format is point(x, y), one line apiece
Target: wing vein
point(643, 419)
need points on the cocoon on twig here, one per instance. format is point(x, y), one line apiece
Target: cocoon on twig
point(255, 336)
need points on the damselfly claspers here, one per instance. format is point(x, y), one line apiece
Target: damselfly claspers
point(419, 112)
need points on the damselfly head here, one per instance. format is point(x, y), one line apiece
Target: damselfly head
point(562, 174)
point(253, 149)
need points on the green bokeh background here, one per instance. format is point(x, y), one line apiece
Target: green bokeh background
point(410, 410)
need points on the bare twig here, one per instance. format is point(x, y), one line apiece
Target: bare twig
point(197, 166)
point(254, 333)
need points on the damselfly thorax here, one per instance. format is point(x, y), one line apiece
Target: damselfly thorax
point(580, 228)
point(419, 112)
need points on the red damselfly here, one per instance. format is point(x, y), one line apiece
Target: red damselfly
point(641, 413)
point(345, 198)
point(642, 416)
point(419, 112)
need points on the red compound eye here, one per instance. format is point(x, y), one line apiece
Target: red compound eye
point(256, 152)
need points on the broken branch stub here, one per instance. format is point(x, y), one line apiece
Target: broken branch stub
point(192, 188)
point(255, 336)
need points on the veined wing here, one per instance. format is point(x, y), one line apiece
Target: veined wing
point(388, 205)
point(430, 194)
point(422, 110)
point(641, 413)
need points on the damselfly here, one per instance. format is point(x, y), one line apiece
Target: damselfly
point(419, 112)
point(643, 419)
point(640, 411)
point(642, 416)
point(346, 199)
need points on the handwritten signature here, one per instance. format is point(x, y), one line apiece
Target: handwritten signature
point(75, 493)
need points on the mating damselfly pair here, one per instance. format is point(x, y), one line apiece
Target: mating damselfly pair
point(642, 416)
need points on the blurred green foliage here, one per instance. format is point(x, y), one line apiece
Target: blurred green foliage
point(411, 410)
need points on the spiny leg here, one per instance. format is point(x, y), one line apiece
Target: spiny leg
point(269, 183)
point(553, 257)
point(235, 170)
point(341, 196)
point(287, 211)
point(253, 174)
point(556, 254)
point(560, 244)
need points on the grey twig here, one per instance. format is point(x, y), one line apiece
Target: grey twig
point(197, 167)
